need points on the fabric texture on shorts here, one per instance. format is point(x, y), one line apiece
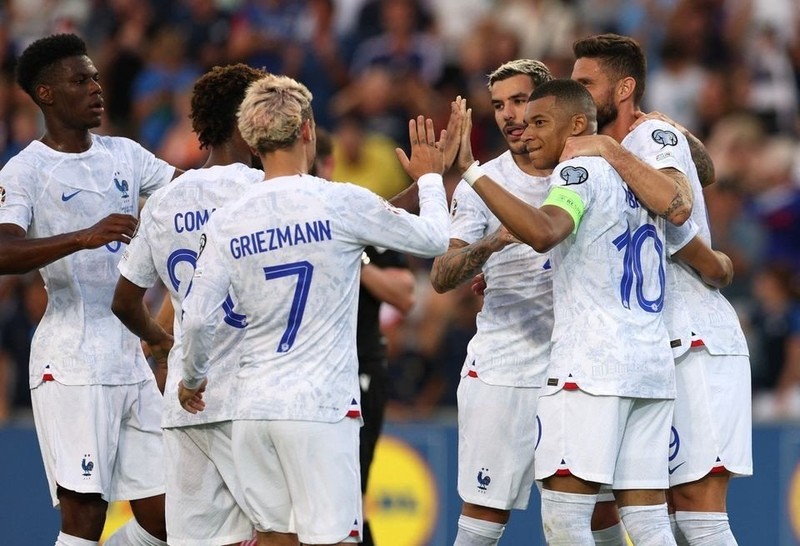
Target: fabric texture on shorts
point(622, 442)
point(307, 470)
point(712, 425)
point(497, 436)
point(102, 439)
point(204, 502)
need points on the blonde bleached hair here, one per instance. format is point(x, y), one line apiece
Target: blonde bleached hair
point(537, 71)
point(272, 113)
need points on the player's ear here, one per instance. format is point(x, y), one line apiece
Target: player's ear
point(43, 94)
point(307, 131)
point(625, 88)
point(578, 124)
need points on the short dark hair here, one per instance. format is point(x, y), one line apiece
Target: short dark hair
point(215, 101)
point(569, 94)
point(39, 58)
point(622, 56)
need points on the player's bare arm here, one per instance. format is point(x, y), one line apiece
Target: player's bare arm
point(665, 192)
point(463, 261)
point(702, 161)
point(129, 307)
point(20, 255)
point(713, 266)
point(393, 285)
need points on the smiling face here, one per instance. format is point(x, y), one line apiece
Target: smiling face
point(547, 131)
point(74, 93)
point(509, 99)
point(590, 73)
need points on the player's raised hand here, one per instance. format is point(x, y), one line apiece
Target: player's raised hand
point(192, 400)
point(465, 158)
point(114, 227)
point(451, 138)
point(426, 156)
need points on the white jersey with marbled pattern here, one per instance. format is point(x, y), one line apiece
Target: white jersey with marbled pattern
point(290, 249)
point(512, 344)
point(694, 310)
point(79, 341)
point(165, 248)
point(609, 283)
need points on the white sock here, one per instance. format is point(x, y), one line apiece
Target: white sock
point(132, 534)
point(676, 532)
point(567, 518)
point(648, 525)
point(611, 536)
point(705, 528)
point(478, 532)
point(68, 540)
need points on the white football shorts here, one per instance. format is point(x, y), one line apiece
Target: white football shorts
point(306, 469)
point(497, 435)
point(712, 425)
point(621, 442)
point(204, 502)
point(101, 438)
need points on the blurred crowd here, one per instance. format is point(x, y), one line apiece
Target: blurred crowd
point(728, 70)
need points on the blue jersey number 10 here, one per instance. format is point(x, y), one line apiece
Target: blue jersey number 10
point(633, 270)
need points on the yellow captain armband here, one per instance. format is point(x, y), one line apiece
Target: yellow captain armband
point(568, 200)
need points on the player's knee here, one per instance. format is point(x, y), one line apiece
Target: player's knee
point(485, 513)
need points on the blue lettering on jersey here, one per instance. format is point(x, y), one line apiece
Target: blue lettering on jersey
point(191, 220)
point(276, 238)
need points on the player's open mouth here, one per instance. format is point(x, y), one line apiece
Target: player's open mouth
point(515, 131)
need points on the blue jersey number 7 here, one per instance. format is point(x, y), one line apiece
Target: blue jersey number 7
point(304, 271)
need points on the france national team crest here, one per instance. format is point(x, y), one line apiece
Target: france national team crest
point(483, 479)
point(122, 186)
point(87, 466)
point(665, 138)
point(574, 175)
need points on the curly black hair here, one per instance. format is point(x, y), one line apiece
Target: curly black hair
point(216, 98)
point(39, 58)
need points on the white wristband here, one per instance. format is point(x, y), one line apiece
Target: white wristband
point(473, 173)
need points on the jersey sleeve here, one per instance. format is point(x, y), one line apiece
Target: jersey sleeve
point(678, 237)
point(573, 185)
point(659, 144)
point(468, 218)
point(371, 220)
point(16, 200)
point(137, 263)
point(210, 287)
point(153, 172)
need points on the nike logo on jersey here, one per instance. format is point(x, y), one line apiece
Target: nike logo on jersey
point(673, 469)
point(67, 196)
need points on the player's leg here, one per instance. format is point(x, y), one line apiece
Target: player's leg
point(641, 477)
point(497, 441)
point(607, 527)
point(374, 394)
point(711, 442)
point(576, 453)
point(140, 449)
point(76, 455)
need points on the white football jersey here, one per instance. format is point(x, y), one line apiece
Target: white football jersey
point(79, 341)
point(609, 283)
point(290, 249)
point(512, 343)
point(165, 247)
point(694, 311)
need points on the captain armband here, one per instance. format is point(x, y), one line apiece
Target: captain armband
point(567, 200)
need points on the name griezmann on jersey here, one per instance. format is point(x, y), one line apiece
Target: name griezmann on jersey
point(279, 237)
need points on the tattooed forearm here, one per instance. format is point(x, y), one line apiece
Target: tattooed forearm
point(705, 167)
point(459, 264)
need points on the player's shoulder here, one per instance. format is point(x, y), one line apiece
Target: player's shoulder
point(655, 131)
point(579, 170)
